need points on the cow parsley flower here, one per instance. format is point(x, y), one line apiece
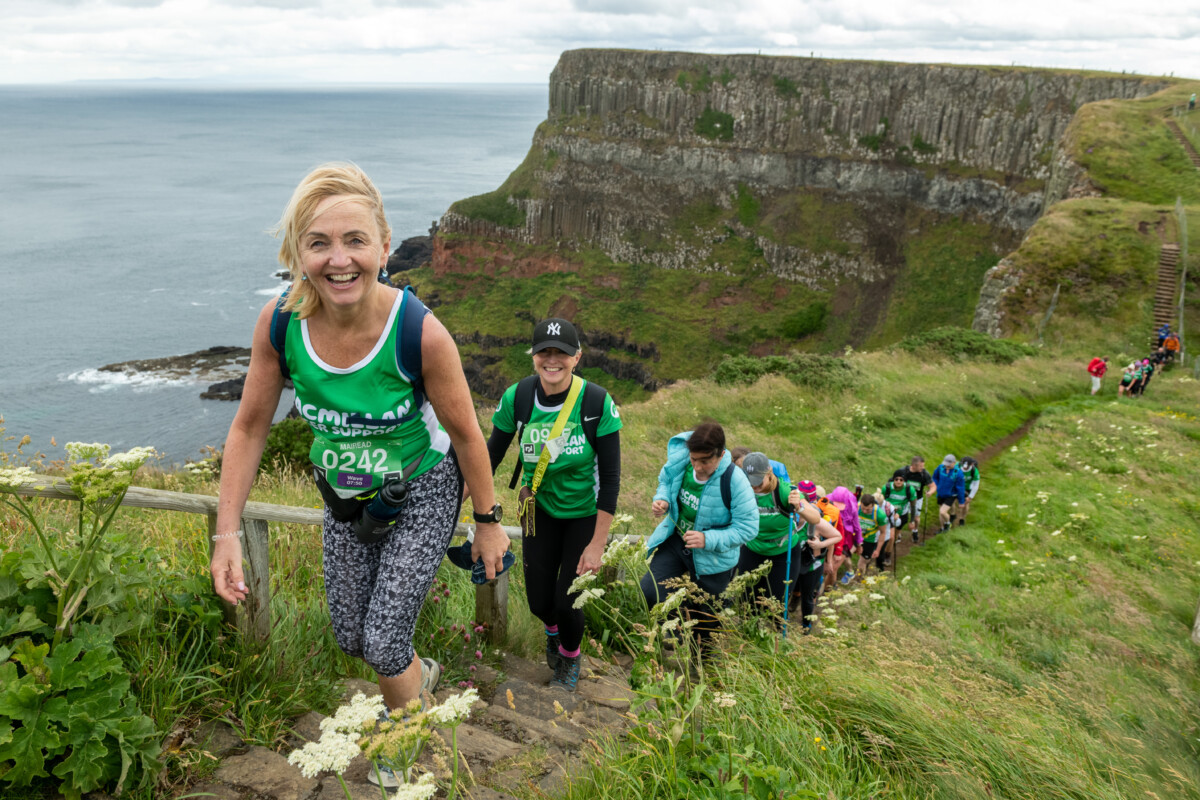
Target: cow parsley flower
point(81, 451)
point(581, 582)
point(455, 709)
point(130, 459)
point(14, 477)
point(724, 700)
point(586, 596)
point(333, 752)
point(359, 714)
point(422, 789)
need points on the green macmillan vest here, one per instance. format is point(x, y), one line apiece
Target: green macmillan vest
point(371, 420)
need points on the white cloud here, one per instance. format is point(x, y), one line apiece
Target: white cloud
point(520, 40)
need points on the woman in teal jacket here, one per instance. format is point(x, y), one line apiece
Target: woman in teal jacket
point(709, 511)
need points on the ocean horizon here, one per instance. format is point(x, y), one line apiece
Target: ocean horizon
point(138, 217)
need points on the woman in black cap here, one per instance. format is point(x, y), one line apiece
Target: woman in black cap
point(569, 464)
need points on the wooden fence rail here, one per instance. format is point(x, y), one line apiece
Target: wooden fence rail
point(491, 598)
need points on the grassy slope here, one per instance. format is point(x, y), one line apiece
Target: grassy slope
point(991, 682)
point(1048, 677)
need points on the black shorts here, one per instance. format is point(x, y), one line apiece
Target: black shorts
point(947, 499)
point(868, 548)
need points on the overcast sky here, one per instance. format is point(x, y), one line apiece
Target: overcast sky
point(519, 41)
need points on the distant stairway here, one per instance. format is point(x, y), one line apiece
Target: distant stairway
point(1183, 140)
point(1168, 285)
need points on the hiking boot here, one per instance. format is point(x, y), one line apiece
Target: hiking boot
point(566, 673)
point(552, 654)
point(916, 537)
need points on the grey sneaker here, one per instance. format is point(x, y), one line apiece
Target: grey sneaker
point(431, 676)
point(383, 777)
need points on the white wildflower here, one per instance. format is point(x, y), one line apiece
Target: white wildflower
point(456, 708)
point(423, 789)
point(1001, 506)
point(361, 713)
point(905, 579)
point(829, 631)
point(673, 601)
point(999, 541)
point(724, 700)
point(130, 459)
point(581, 582)
point(672, 624)
point(80, 451)
point(1072, 558)
point(333, 752)
point(1031, 516)
point(13, 477)
point(814, 617)
point(875, 596)
point(1014, 563)
point(586, 596)
point(876, 623)
point(1056, 533)
point(870, 580)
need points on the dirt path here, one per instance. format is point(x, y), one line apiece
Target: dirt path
point(929, 518)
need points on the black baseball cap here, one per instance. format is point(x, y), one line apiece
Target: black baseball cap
point(555, 332)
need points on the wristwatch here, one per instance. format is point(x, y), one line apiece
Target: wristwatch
point(492, 516)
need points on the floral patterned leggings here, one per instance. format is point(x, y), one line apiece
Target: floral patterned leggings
point(375, 591)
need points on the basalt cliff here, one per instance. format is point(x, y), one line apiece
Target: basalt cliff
point(680, 206)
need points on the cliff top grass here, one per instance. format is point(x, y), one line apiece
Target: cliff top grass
point(1130, 153)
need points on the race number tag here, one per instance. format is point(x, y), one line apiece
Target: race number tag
point(556, 445)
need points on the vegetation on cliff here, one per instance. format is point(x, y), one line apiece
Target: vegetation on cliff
point(703, 206)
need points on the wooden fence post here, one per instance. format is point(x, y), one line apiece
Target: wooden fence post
point(491, 608)
point(257, 560)
point(255, 617)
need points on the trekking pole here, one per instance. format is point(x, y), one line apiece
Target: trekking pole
point(787, 575)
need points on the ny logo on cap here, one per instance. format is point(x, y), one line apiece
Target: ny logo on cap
point(554, 329)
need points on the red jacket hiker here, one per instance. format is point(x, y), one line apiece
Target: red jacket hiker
point(1097, 367)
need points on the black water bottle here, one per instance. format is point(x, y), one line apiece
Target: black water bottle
point(378, 515)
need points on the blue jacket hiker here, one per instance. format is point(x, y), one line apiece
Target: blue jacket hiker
point(951, 486)
point(709, 511)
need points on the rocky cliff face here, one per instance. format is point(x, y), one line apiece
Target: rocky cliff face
point(813, 172)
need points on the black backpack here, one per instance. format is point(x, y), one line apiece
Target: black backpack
point(592, 410)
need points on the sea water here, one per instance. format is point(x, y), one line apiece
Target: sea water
point(135, 221)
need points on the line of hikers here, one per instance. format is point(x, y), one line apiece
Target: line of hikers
point(755, 514)
point(1135, 376)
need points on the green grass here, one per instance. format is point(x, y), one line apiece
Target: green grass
point(1030, 678)
point(1129, 153)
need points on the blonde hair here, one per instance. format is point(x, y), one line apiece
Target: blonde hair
point(337, 178)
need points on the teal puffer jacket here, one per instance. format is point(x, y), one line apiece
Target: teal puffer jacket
point(725, 529)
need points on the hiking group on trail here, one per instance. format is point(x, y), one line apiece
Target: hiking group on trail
point(1136, 375)
point(756, 515)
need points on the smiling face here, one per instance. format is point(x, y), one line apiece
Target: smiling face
point(342, 251)
point(554, 367)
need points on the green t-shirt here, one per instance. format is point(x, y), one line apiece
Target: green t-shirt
point(971, 475)
point(572, 481)
point(773, 524)
point(354, 412)
point(870, 522)
point(689, 500)
point(899, 498)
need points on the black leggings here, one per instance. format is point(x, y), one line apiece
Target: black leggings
point(773, 582)
point(807, 585)
point(672, 559)
point(550, 557)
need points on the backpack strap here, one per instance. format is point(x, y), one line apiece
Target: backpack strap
point(408, 343)
point(279, 326)
point(780, 502)
point(593, 409)
point(727, 488)
point(522, 411)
